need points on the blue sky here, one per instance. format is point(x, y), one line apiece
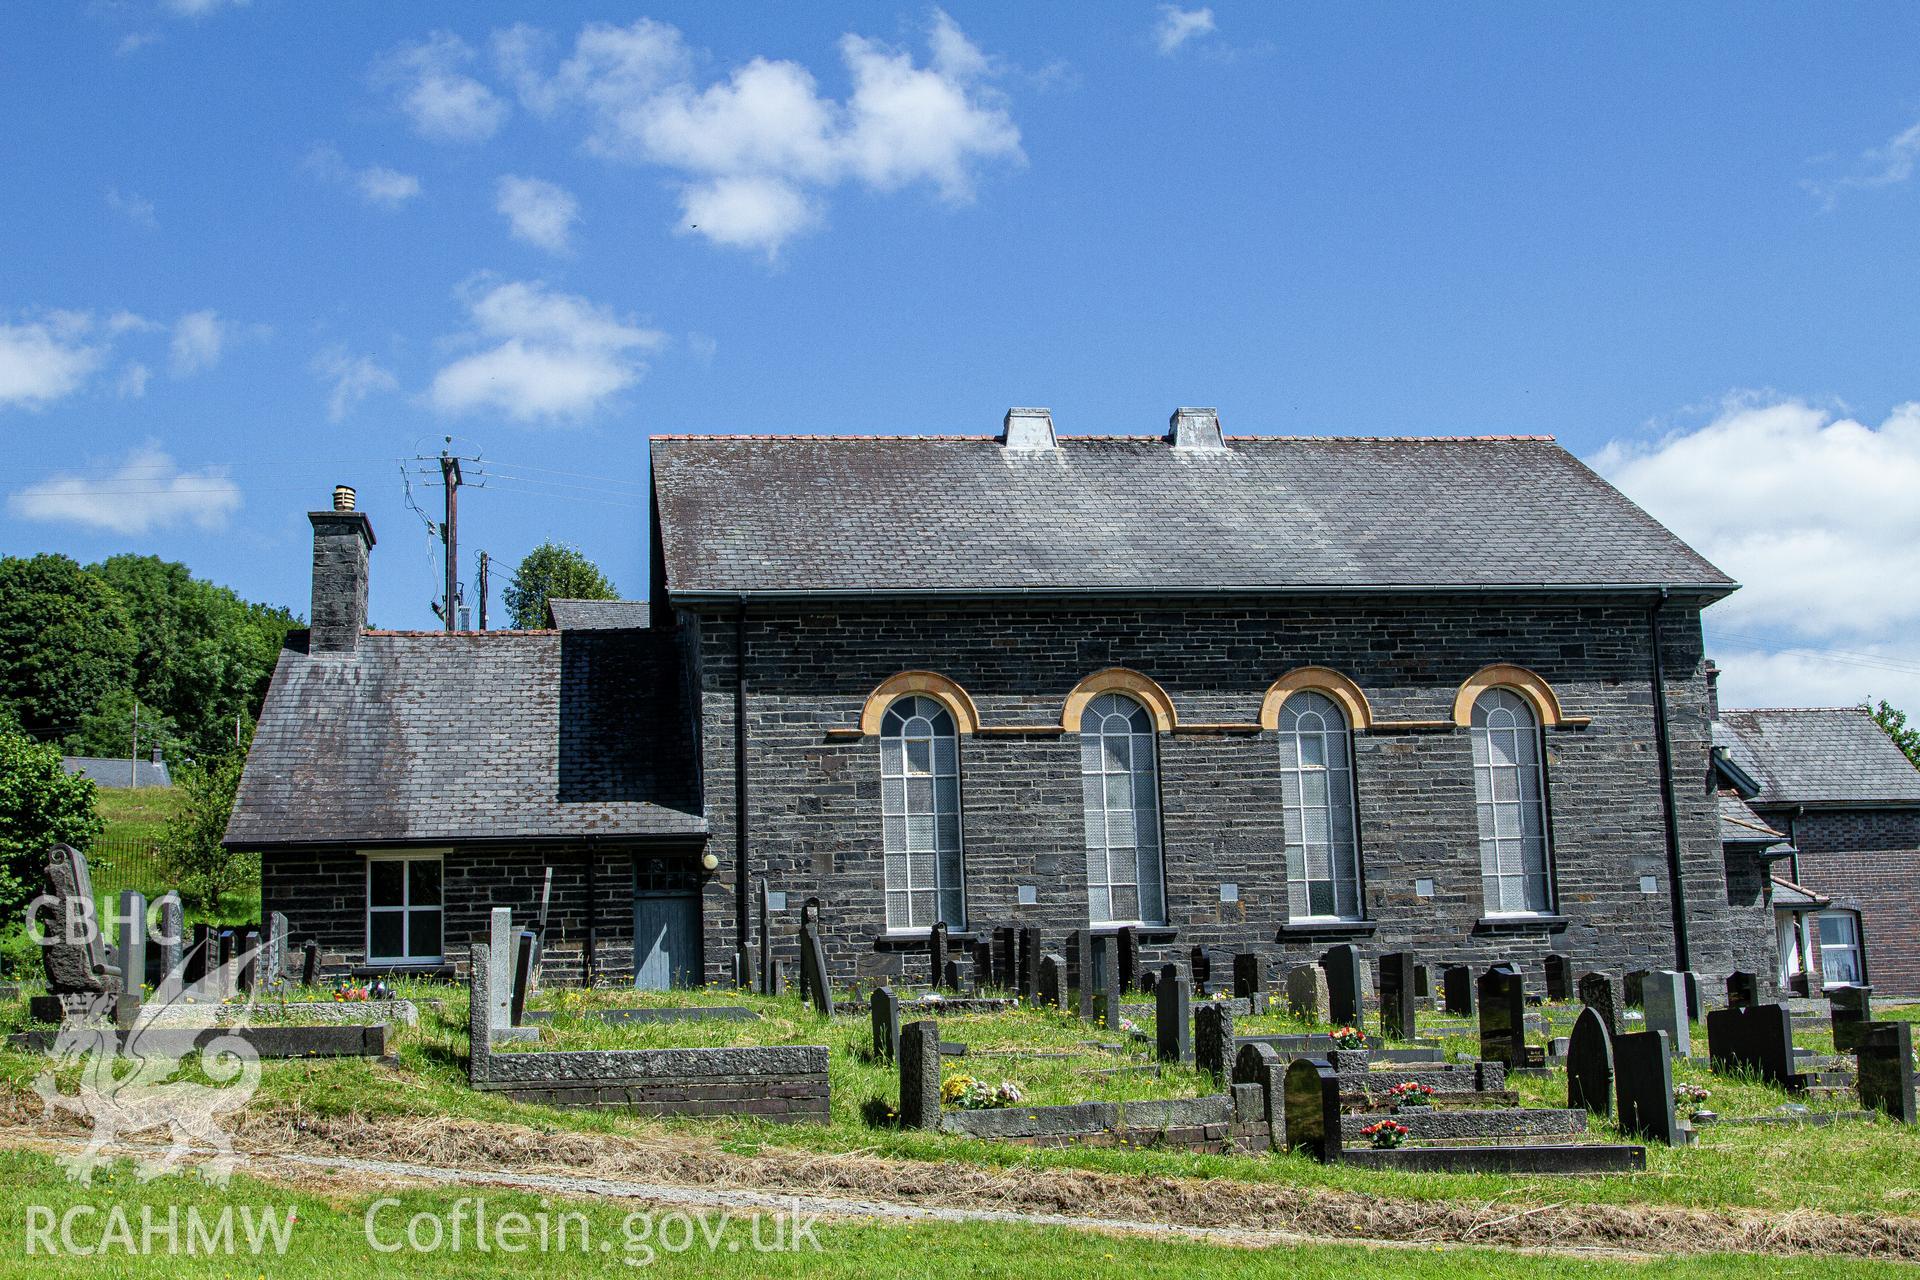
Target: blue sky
point(258, 248)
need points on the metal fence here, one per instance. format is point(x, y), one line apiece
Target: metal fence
point(123, 862)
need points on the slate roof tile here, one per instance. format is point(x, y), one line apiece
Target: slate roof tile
point(1808, 755)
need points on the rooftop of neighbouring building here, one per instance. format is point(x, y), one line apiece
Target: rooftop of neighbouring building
point(1817, 755)
point(119, 771)
point(597, 615)
point(1741, 825)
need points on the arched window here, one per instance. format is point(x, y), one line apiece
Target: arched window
point(1511, 797)
point(1121, 786)
point(920, 813)
point(1316, 787)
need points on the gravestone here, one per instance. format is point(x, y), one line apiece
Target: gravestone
point(1884, 1051)
point(886, 1024)
point(1559, 977)
point(503, 960)
point(171, 937)
point(249, 959)
point(1758, 1039)
point(1307, 992)
point(1313, 1109)
point(1743, 990)
point(526, 964)
point(1080, 970)
point(310, 963)
point(1003, 953)
point(1111, 988)
point(1342, 964)
point(1590, 1063)
point(1029, 961)
point(1456, 990)
point(766, 939)
point(223, 973)
point(200, 956)
point(1643, 1087)
point(1422, 988)
point(982, 965)
point(1172, 1016)
point(1261, 1065)
point(1502, 996)
point(1664, 997)
point(1053, 982)
point(75, 954)
point(1851, 1007)
point(937, 956)
point(133, 940)
point(815, 985)
point(1201, 966)
point(1596, 992)
point(919, 1057)
point(1690, 982)
point(1398, 1008)
point(777, 981)
point(273, 954)
point(1127, 944)
point(950, 979)
point(1249, 976)
point(1213, 1037)
point(1147, 980)
point(1631, 987)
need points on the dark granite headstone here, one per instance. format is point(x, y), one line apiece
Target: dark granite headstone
point(815, 984)
point(75, 954)
point(937, 956)
point(1559, 977)
point(1213, 1037)
point(1456, 990)
point(1759, 1039)
point(526, 959)
point(1313, 1109)
point(1743, 990)
point(1249, 975)
point(1501, 994)
point(1851, 1008)
point(1201, 966)
point(1080, 972)
point(1172, 1016)
point(1111, 988)
point(1691, 982)
point(1643, 1087)
point(1053, 982)
point(1630, 989)
point(1422, 983)
point(919, 1058)
point(886, 1024)
point(1884, 1051)
point(1029, 961)
point(170, 935)
point(310, 963)
point(1590, 1063)
point(982, 965)
point(950, 976)
point(1003, 956)
point(248, 954)
point(201, 955)
point(1342, 964)
point(1399, 1010)
point(1127, 945)
point(1596, 992)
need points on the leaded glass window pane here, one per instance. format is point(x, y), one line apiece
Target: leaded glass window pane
point(1510, 795)
point(1316, 793)
point(1120, 789)
point(920, 815)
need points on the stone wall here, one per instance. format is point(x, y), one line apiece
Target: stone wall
point(1212, 1123)
point(815, 798)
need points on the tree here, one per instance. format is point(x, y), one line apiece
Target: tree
point(65, 642)
point(553, 572)
point(204, 869)
point(1895, 723)
point(40, 805)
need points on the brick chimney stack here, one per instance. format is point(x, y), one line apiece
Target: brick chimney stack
point(1711, 669)
point(342, 538)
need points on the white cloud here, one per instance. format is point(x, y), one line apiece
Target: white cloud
point(1815, 515)
point(1177, 26)
point(198, 338)
point(756, 150)
point(133, 42)
point(376, 184)
point(135, 208)
point(46, 360)
point(539, 212)
point(132, 383)
point(551, 355)
point(200, 8)
point(144, 493)
point(1884, 166)
point(353, 378)
point(441, 101)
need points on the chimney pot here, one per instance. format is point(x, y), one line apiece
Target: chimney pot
point(1195, 429)
point(1028, 429)
point(343, 497)
point(342, 539)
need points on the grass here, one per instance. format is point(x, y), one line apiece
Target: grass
point(327, 1233)
point(138, 816)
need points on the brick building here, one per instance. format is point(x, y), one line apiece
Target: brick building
point(1262, 693)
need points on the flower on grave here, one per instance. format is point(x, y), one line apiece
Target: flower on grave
point(1129, 1026)
point(932, 997)
point(954, 1088)
point(1349, 1038)
point(1219, 995)
point(1410, 1093)
point(968, 1094)
point(1386, 1135)
point(1692, 1094)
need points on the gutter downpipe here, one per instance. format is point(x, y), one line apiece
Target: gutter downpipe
point(1682, 945)
point(742, 878)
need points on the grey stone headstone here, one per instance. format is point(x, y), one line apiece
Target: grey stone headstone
point(500, 948)
point(937, 956)
point(1053, 982)
point(885, 1007)
point(479, 1012)
point(1643, 1087)
point(1456, 990)
point(1344, 980)
point(1313, 1109)
point(1261, 1065)
point(133, 940)
point(75, 957)
point(248, 956)
point(1743, 990)
point(920, 1075)
point(777, 984)
point(1030, 961)
point(1597, 993)
point(1884, 1051)
point(1249, 975)
point(1020, 962)
point(1126, 946)
point(1213, 1037)
point(1664, 997)
point(202, 955)
point(1631, 988)
point(766, 940)
point(1559, 971)
point(1759, 1039)
point(982, 965)
point(273, 953)
point(1502, 996)
point(1003, 957)
point(1172, 1016)
point(816, 984)
point(1111, 988)
point(1399, 1011)
point(1080, 961)
point(1590, 1064)
point(1851, 1007)
point(172, 940)
point(1307, 992)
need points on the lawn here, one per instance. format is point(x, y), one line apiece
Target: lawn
point(136, 817)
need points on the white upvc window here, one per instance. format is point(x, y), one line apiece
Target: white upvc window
point(1120, 787)
point(404, 908)
point(1316, 787)
point(1840, 958)
point(1510, 795)
point(920, 815)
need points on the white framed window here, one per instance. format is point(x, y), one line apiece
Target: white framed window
point(404, 908)
point(1510, 795)
point(1120, 787)
point(1316, 789)
point(920, 815)
point(1840, 958)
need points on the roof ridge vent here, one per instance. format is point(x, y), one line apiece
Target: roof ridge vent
point(1028, 429)
point(1195, 429)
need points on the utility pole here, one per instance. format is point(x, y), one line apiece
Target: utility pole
point(450, 535)
point(483, 591)
point(133, 759)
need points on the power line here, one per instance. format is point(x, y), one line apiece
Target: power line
point(1904, 666)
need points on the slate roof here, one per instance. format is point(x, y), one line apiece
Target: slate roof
point(435, 737)
point(597, 615)
point(1817, 755)
point(911, 514)
point(1788, 894)
point(1741, 825)
point(108, 772)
